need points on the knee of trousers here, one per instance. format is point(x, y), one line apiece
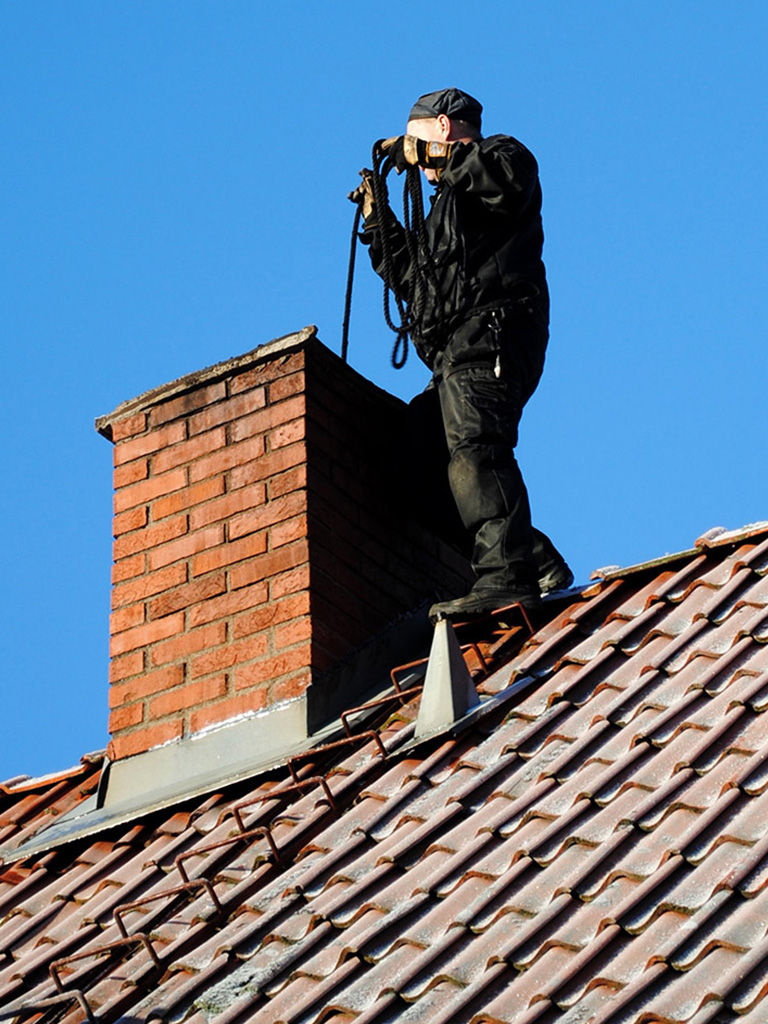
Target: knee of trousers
point(484, 483)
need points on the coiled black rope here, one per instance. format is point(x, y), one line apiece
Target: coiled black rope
point(411, 311)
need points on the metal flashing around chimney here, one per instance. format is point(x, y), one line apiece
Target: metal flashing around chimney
point(449, 692)
point(242, 748)
point(407, 639)
point(164, 776)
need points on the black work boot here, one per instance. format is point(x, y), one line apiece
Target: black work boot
point(558, 577)
point(482, 600)
point(553, 571)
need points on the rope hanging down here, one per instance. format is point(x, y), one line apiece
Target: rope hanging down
point(350, 279)
point(410, 309)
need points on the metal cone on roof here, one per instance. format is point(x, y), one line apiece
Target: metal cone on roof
point(449, 692)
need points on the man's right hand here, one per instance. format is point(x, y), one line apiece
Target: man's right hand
point(408, 151)
point(363, 194)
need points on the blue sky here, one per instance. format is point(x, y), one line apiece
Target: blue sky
point(173, 178)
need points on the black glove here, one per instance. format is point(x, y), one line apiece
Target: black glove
point(408, 151)
point(363, 194)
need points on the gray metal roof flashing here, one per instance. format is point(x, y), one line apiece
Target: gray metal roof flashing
point(612, 572)
point(191, 767)
point(239, 749)
point(718, 536)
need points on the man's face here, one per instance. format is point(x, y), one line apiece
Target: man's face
point(429, 129)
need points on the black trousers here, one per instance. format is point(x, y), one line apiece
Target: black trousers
point(467, 421)
point(481, 412)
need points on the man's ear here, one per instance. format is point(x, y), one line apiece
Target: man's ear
point(444, 125)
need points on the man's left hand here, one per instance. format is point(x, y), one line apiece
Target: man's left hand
point(408, 151)
point(363, 194)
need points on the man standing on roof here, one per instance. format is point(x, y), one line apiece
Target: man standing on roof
point(483, 331)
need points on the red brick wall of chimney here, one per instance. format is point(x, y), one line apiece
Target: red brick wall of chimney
point(258, 538)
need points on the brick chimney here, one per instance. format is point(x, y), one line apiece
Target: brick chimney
point(260, 536)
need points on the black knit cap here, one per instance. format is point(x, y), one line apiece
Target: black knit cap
point(454, 103)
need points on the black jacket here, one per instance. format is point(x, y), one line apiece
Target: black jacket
point(484, 236)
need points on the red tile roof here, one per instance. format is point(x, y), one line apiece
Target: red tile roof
point(593, 849)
